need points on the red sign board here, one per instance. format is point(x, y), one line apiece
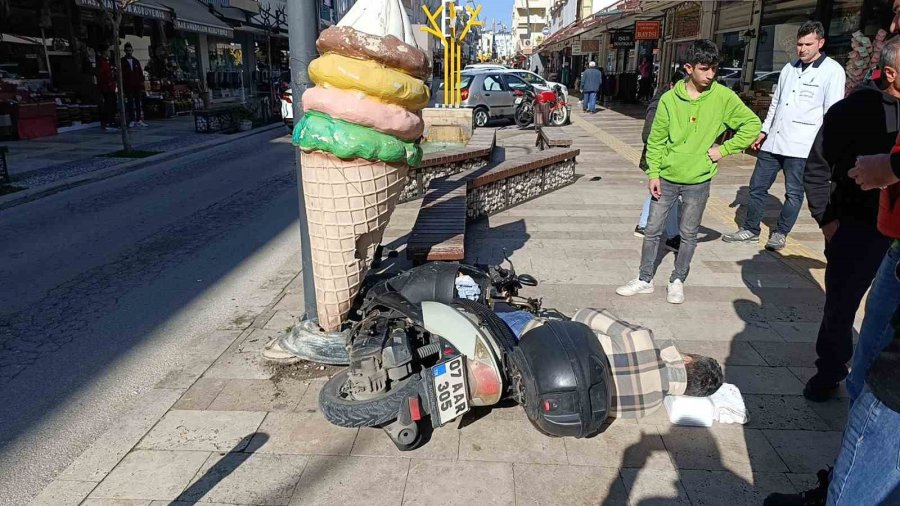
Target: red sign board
point(646, 30)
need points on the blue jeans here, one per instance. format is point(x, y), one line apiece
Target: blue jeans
point(590, 101)
point(693, 198)
point(876, 331)
point(671, 221)
point(768, 166)
point(867, 470)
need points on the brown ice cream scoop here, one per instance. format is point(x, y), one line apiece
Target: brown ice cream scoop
point(389, 50)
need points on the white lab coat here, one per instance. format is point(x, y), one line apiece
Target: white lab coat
point(799, 102)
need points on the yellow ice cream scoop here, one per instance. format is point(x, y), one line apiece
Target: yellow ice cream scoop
point(372, 78)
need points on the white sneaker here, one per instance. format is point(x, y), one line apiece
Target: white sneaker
point(634, 287)
point(142, 124)
point(675, 293)
point(132, 124)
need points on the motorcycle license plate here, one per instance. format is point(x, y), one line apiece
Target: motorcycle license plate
point(518, 100)
point(450, 389)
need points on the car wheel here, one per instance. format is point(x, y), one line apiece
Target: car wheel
point(481, 117)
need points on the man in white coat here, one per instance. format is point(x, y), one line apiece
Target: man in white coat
point(806, 89)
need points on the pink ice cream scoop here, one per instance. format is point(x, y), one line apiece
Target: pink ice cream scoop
point(355, 107)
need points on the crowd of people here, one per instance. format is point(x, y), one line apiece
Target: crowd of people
point(841, 152)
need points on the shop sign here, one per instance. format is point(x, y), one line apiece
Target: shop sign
point(136, 9)
point(191, 26)
point(576, 47)
point(623, 40)
point(590, 46)
point(646, 30)
point(687, 23)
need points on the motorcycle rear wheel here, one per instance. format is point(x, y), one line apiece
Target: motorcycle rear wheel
point(380, 410)
point(524, 115)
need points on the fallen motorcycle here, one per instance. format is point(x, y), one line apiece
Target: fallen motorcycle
point(429, 346)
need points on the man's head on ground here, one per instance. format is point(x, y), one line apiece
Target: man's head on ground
point(704, 375)
point(702, 63)
point(592, 64)
point(890, 66)
point(810, 39)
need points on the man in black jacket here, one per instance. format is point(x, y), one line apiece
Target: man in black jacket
point(864, 123)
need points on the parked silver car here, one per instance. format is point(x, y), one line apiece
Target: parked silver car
point(492, 93)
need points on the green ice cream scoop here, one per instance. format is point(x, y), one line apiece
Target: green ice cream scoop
point(318, 131)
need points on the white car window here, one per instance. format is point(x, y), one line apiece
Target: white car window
point(530, 78)
point(492, 83)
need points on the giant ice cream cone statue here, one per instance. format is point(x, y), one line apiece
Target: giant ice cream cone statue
point(358, 137)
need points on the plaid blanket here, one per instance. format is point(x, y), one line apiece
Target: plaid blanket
point(643, 369)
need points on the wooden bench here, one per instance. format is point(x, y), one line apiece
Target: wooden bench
point(548, 138)
point(440, 229)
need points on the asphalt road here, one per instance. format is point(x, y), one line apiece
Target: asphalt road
point(100, 285)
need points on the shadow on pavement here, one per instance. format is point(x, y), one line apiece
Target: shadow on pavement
point(226, 465)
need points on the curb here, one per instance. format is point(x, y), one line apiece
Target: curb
point(38, 192)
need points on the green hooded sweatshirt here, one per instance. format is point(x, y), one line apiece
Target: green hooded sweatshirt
point(684, 130)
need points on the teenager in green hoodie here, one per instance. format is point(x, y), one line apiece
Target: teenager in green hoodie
point(682, 159)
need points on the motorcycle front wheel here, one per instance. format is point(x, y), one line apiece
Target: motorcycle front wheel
point(560, 116)
point(343, 411)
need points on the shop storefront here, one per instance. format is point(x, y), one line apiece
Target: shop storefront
point(682, 27)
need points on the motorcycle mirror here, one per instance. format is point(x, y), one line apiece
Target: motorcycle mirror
point(527, 280)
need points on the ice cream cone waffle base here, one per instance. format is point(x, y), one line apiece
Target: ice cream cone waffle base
point(348, 205)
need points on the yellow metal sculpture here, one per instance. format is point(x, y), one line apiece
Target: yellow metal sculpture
point(451, 43)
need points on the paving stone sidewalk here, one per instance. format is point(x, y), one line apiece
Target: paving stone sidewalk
point(226, 429)
point(42, 161)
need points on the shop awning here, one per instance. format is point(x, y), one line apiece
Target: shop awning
point(146, 9)
point(195, 16)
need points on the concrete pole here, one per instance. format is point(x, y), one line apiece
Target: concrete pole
point(303, 29)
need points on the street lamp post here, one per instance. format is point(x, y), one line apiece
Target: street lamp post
point(306, 339)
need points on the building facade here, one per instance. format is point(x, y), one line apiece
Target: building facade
point(530, 18)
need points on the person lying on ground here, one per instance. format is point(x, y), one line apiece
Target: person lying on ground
point(644, 368)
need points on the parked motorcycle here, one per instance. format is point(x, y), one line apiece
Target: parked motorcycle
point(554, 101)
point(429, 347)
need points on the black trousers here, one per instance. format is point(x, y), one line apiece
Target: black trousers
point(853, 255)
point(108, 110)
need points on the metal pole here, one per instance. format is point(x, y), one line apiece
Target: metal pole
point(303, 29)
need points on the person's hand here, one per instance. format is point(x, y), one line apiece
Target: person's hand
point(873, 171)
point(757, 144)
point(714, 154)
point(829, 229)
point(655, 188)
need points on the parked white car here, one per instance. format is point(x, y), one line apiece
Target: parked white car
point(287, 108)
point(538, 81)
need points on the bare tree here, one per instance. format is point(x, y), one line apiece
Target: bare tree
point(272, 21)
point(115, 11)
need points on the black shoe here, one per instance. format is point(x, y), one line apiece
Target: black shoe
point(639, 231)
point(814, 497)
point(819, 390)
point(674, 243)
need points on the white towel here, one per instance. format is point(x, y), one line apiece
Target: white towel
point(729, 405)
point(724, 406)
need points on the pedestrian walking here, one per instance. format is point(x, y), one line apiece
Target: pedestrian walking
point(673, 239)
point(682, 160)
point(806, 89)
point(133, 82)
point(864, 123)
point(591, 81)
point(106, 82)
